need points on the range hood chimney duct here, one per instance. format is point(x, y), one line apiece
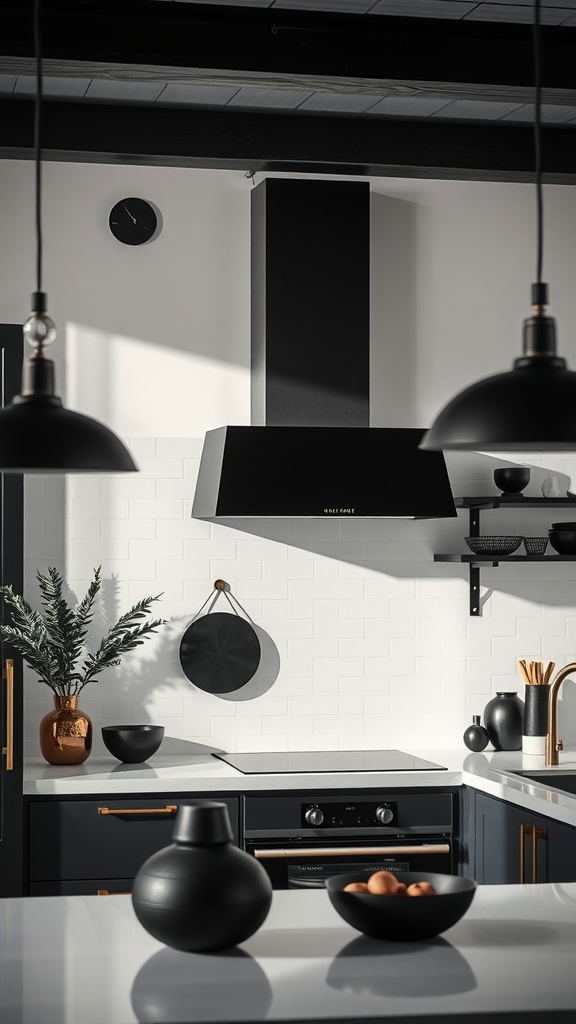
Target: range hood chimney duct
point(310, 451)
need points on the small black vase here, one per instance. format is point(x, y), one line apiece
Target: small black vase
point(503, 719)
point(475, 737)
point(201, 893)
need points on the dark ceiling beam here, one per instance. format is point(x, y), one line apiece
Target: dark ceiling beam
point(279, 142)
point(449, 91)
point(136, 33)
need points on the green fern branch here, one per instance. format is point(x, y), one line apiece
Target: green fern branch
point(53, 642)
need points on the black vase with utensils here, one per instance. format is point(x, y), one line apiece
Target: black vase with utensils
point(535, 721)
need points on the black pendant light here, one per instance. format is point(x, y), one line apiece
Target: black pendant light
point(37, 434)
point(533, 406)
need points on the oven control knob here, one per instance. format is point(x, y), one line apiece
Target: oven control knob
point(384, 815)
point(314, 816)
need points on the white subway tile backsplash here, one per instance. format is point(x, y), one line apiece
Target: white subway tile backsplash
point(157, 549)
point(351, 647)
point(110, 508)
point(324, 628)
point(178, 448)
point(374, 640)
point(154, 508)
point(252, 590)
point(126, 487)
point(80, 486)
point(143, 447)
point(99, 549)
point(314, 648)
point(169, 488)
point(378, 610)
point(288, 609)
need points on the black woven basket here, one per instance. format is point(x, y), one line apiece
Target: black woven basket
point(493, 545)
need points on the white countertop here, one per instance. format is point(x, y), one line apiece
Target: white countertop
point(86, 958)
point(193, 774)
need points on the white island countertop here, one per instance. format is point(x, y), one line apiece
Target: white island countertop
point(191, 775)
point(87, 959)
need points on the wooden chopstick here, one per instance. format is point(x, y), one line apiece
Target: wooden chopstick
point(534, 673)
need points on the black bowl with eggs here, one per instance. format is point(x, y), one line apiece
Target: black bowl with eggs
point(403, 918)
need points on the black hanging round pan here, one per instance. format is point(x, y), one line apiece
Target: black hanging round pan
point(220, 652)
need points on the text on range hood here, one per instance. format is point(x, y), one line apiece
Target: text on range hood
point(310, 451)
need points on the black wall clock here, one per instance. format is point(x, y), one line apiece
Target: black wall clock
point(133, 221)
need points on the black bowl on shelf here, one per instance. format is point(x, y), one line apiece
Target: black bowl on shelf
point(403, 918)
point(512, 479)
point(563, 541)
point(495, 545)
point(132, 744)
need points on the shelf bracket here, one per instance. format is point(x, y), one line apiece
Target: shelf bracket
point(474, 589)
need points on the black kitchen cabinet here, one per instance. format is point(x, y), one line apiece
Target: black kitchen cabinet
point(513, 845)
point(94, 845)
point(11, 572)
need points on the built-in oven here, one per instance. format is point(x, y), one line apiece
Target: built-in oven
point(303, 839)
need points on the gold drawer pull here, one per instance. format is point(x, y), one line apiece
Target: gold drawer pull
point(106, 892)
point(169, 809)
point(8, 750)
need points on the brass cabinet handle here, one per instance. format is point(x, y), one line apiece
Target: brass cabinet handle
point(106, 892)
point(351, 851)
point(169, 809)
point(8, 750)
point(524, 831)
point(537, 833)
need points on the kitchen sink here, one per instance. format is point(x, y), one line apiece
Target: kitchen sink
point(564, 780)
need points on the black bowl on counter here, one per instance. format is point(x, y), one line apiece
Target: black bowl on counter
point(563, 541)
point(403, 918)
point(132, 744)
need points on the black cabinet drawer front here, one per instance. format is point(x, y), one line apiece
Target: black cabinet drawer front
point(85, 839)
point(83, 887)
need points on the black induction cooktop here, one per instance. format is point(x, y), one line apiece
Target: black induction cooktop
point(305, 761)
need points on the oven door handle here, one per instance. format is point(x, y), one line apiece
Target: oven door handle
point(352, 851)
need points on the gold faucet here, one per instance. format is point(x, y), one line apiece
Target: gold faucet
point(553, 744)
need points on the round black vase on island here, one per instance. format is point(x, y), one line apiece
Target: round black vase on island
point(503, 720)
point(475, 737)
point(202, 893)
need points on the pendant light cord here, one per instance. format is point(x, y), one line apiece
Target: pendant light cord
point(537, 145)
point(37, 151)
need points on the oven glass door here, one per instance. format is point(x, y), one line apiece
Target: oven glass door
point(307, 864)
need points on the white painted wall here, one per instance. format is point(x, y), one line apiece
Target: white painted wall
point(374, 641)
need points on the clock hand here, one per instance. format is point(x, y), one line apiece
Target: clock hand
point(128, 212)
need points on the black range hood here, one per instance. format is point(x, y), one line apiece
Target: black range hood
point(311, 452)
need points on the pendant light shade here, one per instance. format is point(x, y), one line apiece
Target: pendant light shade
point(532, 407)
point(37, 434)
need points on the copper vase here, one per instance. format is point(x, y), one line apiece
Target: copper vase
point(65, 733)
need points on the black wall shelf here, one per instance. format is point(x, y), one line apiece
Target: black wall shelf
point(477, 504)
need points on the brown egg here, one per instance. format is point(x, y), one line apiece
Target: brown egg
point(356, 887)
point(421, 889)
point(384, 883)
